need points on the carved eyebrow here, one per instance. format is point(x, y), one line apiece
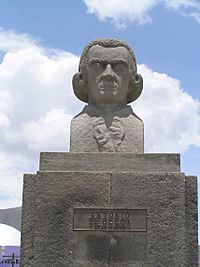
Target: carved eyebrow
point(105, 61)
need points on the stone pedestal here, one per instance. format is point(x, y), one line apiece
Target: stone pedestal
point(157, 202)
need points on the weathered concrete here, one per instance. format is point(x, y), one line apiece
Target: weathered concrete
point(169, 198)
point(49, 198)
point(163, 195)
point(28, 220)
point(126, 162)
point(191, 220)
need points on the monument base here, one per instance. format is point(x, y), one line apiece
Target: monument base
point(118, 210)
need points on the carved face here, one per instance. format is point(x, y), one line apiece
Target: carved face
point(108, 75)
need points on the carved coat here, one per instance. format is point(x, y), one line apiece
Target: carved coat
point(94, 130)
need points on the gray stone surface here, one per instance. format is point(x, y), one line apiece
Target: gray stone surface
point(191, 220)
point(49, 198)
point(82, 137)
point(169, 198)
point(126, 162)
point(164, 197)
point(107, 80)
point(28, 220)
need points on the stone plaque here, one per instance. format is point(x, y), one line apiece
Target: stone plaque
point(109, 219)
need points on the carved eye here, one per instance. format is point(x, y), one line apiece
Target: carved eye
point(97, 66)
point(119, 67)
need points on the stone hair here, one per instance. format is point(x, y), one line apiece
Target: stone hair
point(110, 43)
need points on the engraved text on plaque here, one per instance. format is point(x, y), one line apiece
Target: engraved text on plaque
point(120, 220)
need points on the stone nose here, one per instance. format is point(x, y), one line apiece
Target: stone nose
point(108, 73)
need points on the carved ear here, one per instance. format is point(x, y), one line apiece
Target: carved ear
point(135, 87)
point(79, 87)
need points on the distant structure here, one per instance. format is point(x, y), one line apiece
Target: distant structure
point(9, 256)
point(11, 217)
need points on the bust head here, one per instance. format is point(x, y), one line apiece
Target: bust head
point(107, 74)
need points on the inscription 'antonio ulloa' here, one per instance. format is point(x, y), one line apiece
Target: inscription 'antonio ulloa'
point(109, 220)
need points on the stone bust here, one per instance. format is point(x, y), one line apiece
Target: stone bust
point(107, 81)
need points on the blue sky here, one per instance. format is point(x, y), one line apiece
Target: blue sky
point(40, 44)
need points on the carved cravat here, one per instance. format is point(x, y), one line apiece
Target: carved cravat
point(109, 139)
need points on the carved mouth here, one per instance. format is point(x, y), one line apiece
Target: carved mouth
point(108, 87)
point(108, 91)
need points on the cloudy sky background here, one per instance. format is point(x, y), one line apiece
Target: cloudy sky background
point(40, 46)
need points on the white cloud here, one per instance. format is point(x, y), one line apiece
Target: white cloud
point(12, 167)
point(171, 116)
point(9, 236)
point(4, 120)
point(41, 134)
point(37, 103)
point(176, 4)
point(122, 11)
point(10, 41)
point(189, 8)
point(196, 16)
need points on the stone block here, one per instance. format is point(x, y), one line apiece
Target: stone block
point(163, 195)
point(49, 235)
point(28, 220)
point(122, 162)
point(48, 215)
point(191, 220)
